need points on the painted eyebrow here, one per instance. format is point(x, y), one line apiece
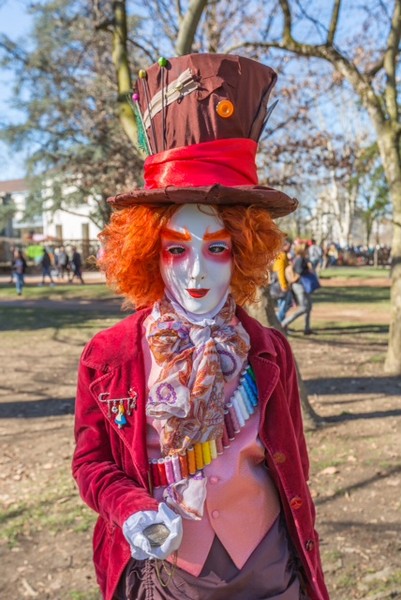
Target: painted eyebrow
point(217, 235)
point(176, 236)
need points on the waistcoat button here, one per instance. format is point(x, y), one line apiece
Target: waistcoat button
point(215, 514)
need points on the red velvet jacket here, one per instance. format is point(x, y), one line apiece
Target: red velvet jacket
point(110, 464)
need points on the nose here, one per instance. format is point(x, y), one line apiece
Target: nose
point(196, 271)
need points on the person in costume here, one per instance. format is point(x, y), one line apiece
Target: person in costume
point(189, 437)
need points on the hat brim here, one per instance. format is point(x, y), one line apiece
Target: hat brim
point(275, 202)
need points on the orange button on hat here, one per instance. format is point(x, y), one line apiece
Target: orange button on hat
point(225, 109)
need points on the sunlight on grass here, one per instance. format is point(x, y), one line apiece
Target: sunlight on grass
point(89, 595)
point(357, 294)
point(81, 322)
point(93, 292)
point(57, 509)
point(354, 272)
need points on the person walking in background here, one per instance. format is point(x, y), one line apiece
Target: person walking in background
point(280, 289)
point(296, 269)
point(46, 267)
point(76, 264)
point(19, 268)
point(315, 255)
point(62, 263)
point(12, 254)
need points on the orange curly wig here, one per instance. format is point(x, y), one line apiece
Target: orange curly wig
point(131, 243)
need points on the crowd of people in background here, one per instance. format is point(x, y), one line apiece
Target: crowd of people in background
point(56, 264)
point(335, 255)
point(300, 262)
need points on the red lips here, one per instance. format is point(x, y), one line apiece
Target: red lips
point(197, 293)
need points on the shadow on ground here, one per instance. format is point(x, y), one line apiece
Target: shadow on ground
point(385, 386)
point(350, 489)
point(34, 409)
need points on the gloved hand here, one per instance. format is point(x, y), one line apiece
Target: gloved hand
point(141, 545)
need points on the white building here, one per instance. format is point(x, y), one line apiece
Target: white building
point(59, 227)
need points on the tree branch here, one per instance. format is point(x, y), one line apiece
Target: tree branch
point(150, 56)
point(188, 26)
point(287, 30)
point(333, 22)
point(390, 57)
point(341, 63)
point(375, 68)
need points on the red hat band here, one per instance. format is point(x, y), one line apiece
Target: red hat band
point(229, 162)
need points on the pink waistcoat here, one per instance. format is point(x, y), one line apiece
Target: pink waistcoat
point(238, 484)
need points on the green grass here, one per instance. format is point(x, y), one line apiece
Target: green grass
point(96, 291)
point(354, 272)
point(353, 295)
point(55, 509)
point(89, 595)
point(32, 319)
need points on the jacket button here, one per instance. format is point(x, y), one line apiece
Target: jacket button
point(296, 503)
point(279, 458)
point(214, 479)
point(215, 514)
point(309, 545)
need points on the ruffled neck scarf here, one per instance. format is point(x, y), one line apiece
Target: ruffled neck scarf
point(196, 358)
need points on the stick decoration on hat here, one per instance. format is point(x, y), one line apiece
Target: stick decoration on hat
point(143, 140)
point(200, 118)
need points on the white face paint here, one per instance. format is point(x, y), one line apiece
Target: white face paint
point(196, 259)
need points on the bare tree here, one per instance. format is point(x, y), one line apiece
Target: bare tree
point(375, 85)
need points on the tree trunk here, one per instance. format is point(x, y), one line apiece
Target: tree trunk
point(388, 143)
point(121, 64)
point(263, 311)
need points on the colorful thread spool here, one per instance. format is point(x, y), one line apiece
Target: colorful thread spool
point(168, 463)
point(225, 439)
point(162, 472)
point(184, 465)
point(155, 472)
point(234, 418)
point(207, 459)
point(213, 449)
point(238, 412)
point(199, 457)
point(219, 446)
point(229, 425)
point(191, 461)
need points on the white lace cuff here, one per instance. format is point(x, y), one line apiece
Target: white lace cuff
point(140, 545)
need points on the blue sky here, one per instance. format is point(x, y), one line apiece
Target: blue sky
point(14, 22)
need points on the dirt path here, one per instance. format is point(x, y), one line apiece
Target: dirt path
point(355, 461)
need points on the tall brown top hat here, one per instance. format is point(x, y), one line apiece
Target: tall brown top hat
point(200, 117)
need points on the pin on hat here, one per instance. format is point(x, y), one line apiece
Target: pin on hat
point(200, 118)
